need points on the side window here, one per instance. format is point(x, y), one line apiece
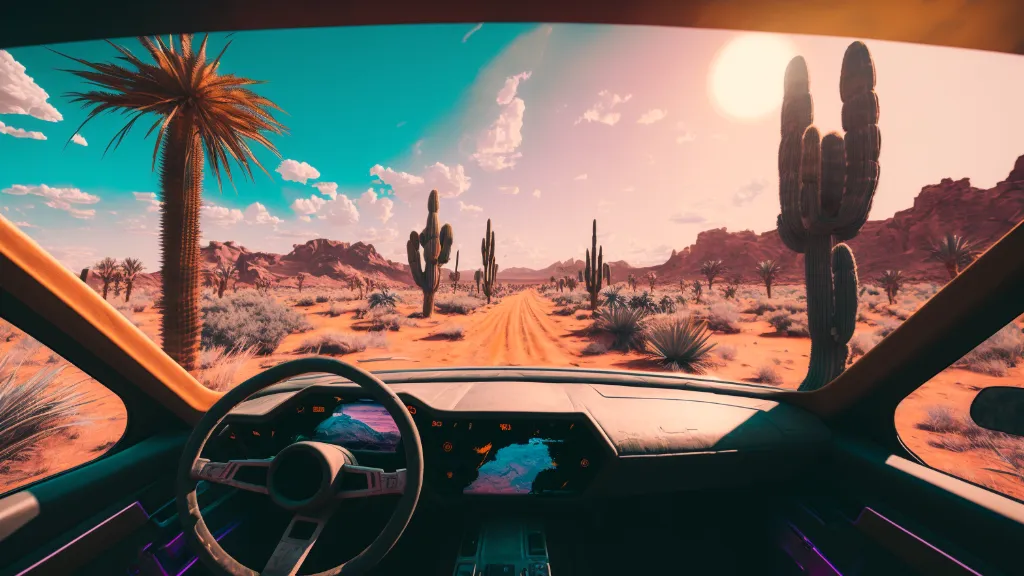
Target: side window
point(935, 423)
point(53, 417)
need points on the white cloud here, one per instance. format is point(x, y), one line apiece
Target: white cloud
point(79, 139)
point(687, 218)
point(329, 189)
point(340, 210)
point(449, 181)
point(601, 111)
point(294, 171)
point(74, 257)
point(24, 224)
point(496, 147)
point(652, 116)
point(512, 190)
point(306, 207)
point(19, 93)
point(686, 137)
point(58, 198)
point(385, 235)
point(749, 191)
point(257, 213)
point(536, 193)
point(472, 31)
point(581, 177)
point(20, 132)
point(150, 199)
point(463, 207)
point(220, 215)
point(379, 208)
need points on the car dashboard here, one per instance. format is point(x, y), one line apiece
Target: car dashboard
point(493, 439)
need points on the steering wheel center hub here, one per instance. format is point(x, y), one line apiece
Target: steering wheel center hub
point(302, 476)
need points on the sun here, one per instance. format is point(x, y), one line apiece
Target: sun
point(745, 82)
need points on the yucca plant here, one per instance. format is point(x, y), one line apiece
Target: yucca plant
point(644, 302)
point(768, 270)
point(383, 298)
point(107, 270)
point(300, 279)
point(33, 410)
point(954, 252)
point(626, 325)
point(680, 344)
point(712, 269)
point(201, 114)
point(613, 297)
point(891, 281)
point(130, 269)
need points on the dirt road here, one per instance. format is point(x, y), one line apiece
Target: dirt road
point(516, 332)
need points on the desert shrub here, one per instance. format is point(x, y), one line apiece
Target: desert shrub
point(798, 325)
point(860, 343)
point(344, 295)
point(788, 323)
point(760, 306)
point(583, 315)
point(681, 344)
point(726, 351)
point(626, 325)
point(871, 290)
point(643, 302)
point(897, 311)
point(340, 343)
point(139, 304)
point(943, 420)
point(451, 332)
point(723, 317)
point(219, 368)
point(125, 308)
point(566, 311)
point(34, 409)
point(322, 298)
point(383, 298)
point(594, 349)
point(768, 374)
point(886, 326)
point(1005, 346)
point(305, 301)
point(667, 305)
point(570, 299)
point(361, 311)
point(988, 366)
point(334, 310)
point(457, 304)
point(247, 319)
point(388, 320)
point(613, 297)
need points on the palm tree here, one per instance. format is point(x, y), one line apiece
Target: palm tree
point(767, 270)
point(954, 252)
point(130, 268)
point(891, 281)
point(712, 269)
point(106, 269)
point(200, 114)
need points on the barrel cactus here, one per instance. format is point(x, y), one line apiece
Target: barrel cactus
point(826, 186)
point(593, 269)
point(436, 241)
point(490, 267)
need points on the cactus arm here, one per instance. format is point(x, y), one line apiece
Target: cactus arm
point(844, 281)
point(413, 249)
point(600, 266)
point(833, 176)
point(797, 115)
point(810, 182)
point(446, 239)
point(588, 274)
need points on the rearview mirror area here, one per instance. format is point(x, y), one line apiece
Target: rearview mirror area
point(1000, 408)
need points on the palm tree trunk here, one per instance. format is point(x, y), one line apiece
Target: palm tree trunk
point(181, 186)
point(768, 287)
point(128, 291)
point(953, 269)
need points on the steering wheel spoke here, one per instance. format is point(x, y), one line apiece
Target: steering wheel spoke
point(295, 544)
point(234, 473)
point(377, 482)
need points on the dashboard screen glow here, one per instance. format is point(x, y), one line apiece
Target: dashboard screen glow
point(360, 426)
point(512, 469)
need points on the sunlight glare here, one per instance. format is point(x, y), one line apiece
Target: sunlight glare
point(746, 75)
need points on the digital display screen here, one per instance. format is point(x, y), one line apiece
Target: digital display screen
point(513, 469)
point(363, 426)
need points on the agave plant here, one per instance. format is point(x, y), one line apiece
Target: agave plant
point(891, 281)
point(383, 298)
point(954, 252)
point(613, 297)
point(680, 344)
point(201, 114)
point(33, 410)
point(626, 326)
point(767, 270)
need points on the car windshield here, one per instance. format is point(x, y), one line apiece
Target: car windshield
point(615, 197)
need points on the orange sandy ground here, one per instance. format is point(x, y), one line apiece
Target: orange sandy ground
point(522, 331)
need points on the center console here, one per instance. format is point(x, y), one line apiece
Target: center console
point(504, 547)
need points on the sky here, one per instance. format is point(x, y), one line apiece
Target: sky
point(658, 133)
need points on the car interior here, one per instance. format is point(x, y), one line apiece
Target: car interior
point(665, 473)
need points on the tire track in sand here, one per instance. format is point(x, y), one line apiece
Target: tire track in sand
point(515, 332)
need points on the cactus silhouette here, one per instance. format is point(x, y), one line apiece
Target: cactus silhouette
point(490, 267)
point(607, 274)
point(455, 276)
point(593, 269)
point(478, 276)
point(826, 186)
point(436, 241)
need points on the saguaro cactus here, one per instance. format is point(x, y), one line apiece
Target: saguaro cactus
point(826, 187)
point(454, 276)
point(593, 270)
point(490, 268)
point(607, 274)
point(478, 276)
point(436, 241)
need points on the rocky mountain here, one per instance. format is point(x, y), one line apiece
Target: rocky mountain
point(619, 269)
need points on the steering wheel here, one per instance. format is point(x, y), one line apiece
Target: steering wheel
point(305, 478)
